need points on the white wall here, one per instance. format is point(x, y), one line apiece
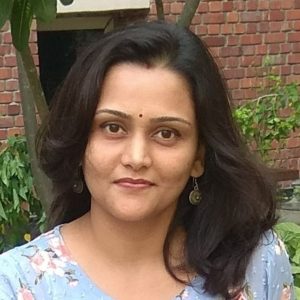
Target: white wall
point(101, 5)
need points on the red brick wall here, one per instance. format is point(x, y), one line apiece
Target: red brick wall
point(240, 33)
point(11, 119)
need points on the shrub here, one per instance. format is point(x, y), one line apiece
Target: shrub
point(271, 117)
point(290, 235)
point(21, 213)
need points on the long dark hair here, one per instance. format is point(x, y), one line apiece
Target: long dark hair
point(237, 204)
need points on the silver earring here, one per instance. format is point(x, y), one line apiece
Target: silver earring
point(195, 195)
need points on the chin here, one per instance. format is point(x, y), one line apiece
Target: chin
point(142, 214)
point(132, 216)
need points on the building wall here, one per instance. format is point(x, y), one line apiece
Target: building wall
point(240, 34)
point(11, 118)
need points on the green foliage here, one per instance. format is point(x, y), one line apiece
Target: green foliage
point(21, 18)
point(20, 211)
point(5, 10)
point(296, 192)
point(290, 235)
point(20, 14)
point(44, 10)
point(271, 117)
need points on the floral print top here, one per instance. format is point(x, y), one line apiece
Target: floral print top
point(43, 269)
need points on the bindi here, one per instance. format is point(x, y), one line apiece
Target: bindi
point(140, 115)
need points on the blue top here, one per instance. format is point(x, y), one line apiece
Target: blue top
point(43, 269)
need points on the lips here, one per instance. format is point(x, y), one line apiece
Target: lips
point(134, 183)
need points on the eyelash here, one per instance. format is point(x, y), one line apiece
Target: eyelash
point(105, 126)
point(172, 131)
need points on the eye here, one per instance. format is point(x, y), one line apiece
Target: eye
point(112, 128)
point(167, 134)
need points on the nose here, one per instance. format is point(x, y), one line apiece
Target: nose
point(136, 153)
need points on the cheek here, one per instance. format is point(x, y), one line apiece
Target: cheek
point(87, 163)
point(93, 164)
point(95, 173)
point(99, 157)
point(176, 169)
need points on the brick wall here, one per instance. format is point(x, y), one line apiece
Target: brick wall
point(240, 34)
point(11, 119)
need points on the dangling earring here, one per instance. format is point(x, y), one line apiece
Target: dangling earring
point(78, 183)
point(195, 195)
point(78, 186)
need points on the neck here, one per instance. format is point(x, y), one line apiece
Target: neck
point(125, 242)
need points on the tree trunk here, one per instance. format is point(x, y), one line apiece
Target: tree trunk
point(34, 82)
point(188, 13)
point(28, 88)
point(159, 10)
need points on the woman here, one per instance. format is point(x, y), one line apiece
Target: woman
point(156, 196)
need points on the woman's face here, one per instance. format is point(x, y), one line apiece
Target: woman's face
point(143, 146)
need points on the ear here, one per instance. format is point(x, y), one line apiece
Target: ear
point(198, 165)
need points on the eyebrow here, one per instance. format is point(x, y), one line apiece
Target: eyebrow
point(153, 120)
point(113, 112)
point(170, 119)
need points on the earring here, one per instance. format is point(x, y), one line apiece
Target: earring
point(195, 195)
point(78, 184)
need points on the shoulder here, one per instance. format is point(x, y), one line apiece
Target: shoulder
point(272, 253)
point(18, 255)
point(269, 247)
point(268, 275)
point(22, 267)
point(269, 272)
point(44, 243)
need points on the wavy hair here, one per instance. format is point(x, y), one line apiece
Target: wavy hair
point(237, 204)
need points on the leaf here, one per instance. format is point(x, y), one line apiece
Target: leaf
point(297, 292)
point(21, 18)
point(44, 10)
point(16, 199)
point(5, 10)
point(22, 192)
point(296, 270)
point(2, 212)
point(288, 227)
point(296, 258)
point(3, 176)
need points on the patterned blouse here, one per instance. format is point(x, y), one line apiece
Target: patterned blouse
point(43, 269)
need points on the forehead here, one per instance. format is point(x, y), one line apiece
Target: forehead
point(138, 89)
